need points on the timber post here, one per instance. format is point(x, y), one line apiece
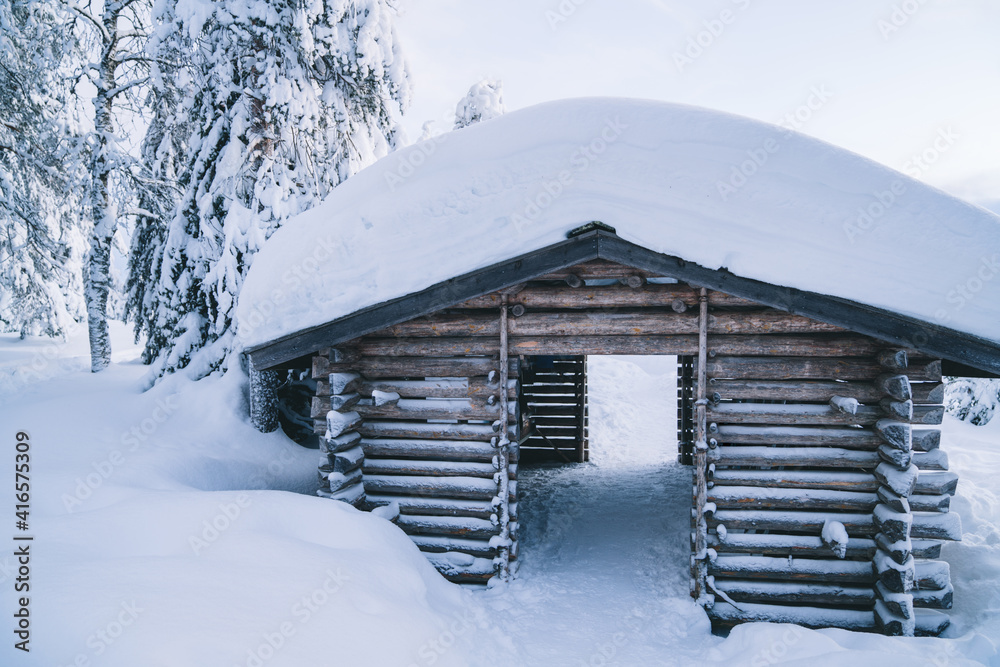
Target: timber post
point(263, 398)
point(503, 454)
point(699, 565)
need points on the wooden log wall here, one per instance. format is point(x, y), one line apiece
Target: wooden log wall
point(813, 432)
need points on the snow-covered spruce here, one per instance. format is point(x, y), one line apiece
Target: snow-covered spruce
point(483, 102)
point(289, 100)
point(974, 400)
point(41, 160)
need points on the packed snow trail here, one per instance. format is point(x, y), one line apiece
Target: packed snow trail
point(603, 558)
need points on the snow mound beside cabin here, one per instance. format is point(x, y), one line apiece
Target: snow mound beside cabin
point(712, 188)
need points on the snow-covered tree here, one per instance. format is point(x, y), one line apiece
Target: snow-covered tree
point(41, 238)
point(974, 400)
point(290, 99)
point(483, 102)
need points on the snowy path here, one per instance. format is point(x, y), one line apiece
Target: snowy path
point(603, 573)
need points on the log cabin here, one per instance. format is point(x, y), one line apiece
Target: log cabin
point(820, 489)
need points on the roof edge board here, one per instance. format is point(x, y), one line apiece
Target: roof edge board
point(455, 290)
point(890, 327)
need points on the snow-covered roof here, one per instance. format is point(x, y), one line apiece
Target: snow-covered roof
point(712, 188)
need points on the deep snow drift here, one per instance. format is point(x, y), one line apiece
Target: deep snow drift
point(712, 188)
point(169, 532)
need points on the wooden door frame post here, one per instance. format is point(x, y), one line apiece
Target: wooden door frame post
point(503, 453)
point(699, 569)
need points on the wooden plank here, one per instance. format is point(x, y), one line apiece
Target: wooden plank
point(473, 488)
point(934, 526)
point(849, 438)
point(791, 479)
point(447, 525)
point(791, 521)
point(934, 483)
point(429, 449)
point(379, 466)
point(778, 592)
point(815, 390)
point(791, 368)
point(795, 457)
point(785, 569)
point(788, 545)
point(604, 323)
point(755, 497)
point(472, 387)
point(479, 509)
point(723, 613)
point(414, 367)
point(542, 297)
point(445, 544)
point(790, 413)
point(423, 430)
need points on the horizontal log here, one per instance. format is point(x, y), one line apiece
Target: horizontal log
point(596, 269)
point(935, 459)
point(778, 592)
point(549, 297)
point(444, 544)
point(926, 548)
point(930, 623)
point(926, 439)
point(792, 368)
point(422, 430)
point(857, 525)
point(813, 414)
point(934, 483)
point(785, 569)
point(815, 390)
point(473, 387)
point(810, 617)
point(848, 438)
point(788, 545)
point(933, 575)
point(834, 481)
point(473, 488)
point(418, 448)
point(416, 408)
point(374, 466)
point(374, 368)
point(936, 526)
point(446, 525)
point(934, 599)
point(780, 345)
point(930, 503)
point(478, 509)
point(795, 457)
point(604, 323)
point(755, 497)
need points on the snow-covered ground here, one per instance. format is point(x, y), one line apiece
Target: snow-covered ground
point(169, 532)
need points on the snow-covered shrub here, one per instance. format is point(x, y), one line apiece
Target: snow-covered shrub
point(974, 400)
point(483, 102)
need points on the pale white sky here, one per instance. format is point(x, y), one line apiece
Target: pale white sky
point(895, 83)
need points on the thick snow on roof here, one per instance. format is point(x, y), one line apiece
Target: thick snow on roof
point(712, 188)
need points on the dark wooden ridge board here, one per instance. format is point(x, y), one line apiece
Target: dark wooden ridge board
point(965, 350)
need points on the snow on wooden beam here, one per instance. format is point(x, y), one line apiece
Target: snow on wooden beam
point(777, 592)
point(818, 368)
point(466, 527)
point(751, 497)
point(550, 297)
point(423, 430)
point(850, 438)
point(776, 544)
point(935, 483)
point(792, 569)
point(418, 448)
point(857, 524)
point(473, 387)
point(810, 479)
point(810, 617)
point(473, 488)
point(794, 457)
point(421, 505)
point(816, 390)
point(444, 544)
point(937, 526)
point(412, 367)
point(378, 466)
point(936, 459)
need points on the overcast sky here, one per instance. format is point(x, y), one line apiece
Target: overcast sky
point(890, 79)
